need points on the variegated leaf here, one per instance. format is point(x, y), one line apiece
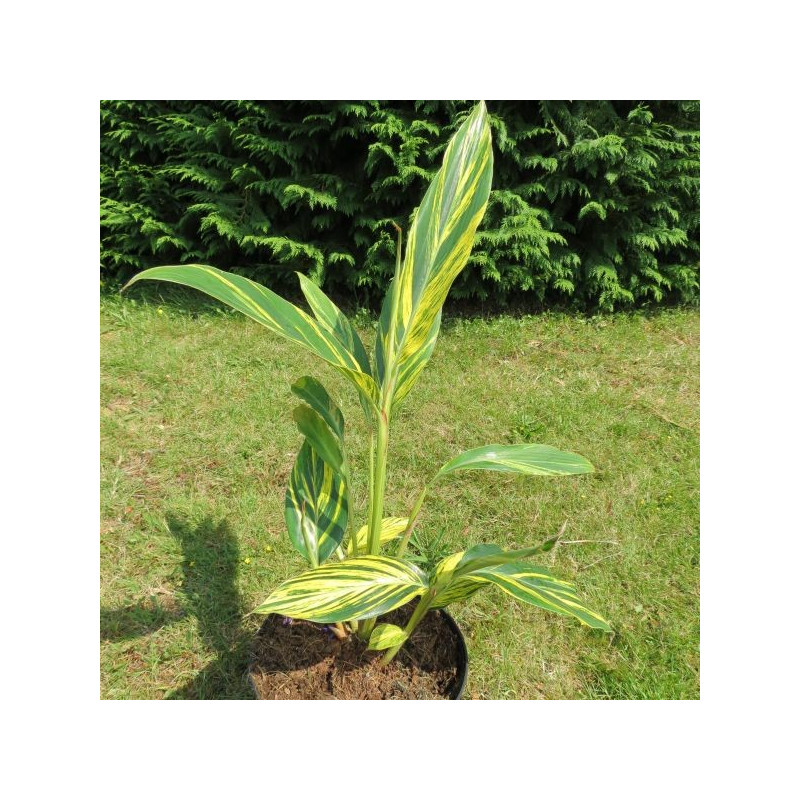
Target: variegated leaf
point(391, 528)
point(526, 459)
point(275, 313)
point(385, 636)
point(489, 555)
point(530, 584)
point(314, 393)
point(316, 506)
point(326, 311)
point(321, 438)
point(455, 591)
point(480, 556)
point(439, 244)
point(357, 588)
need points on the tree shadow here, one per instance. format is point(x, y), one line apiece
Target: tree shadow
point(210, 565)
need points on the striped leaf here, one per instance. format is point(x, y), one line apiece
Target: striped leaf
point(530, 584)
point(526, 459)
point(455, 591)
point(439, 244)
point(413, 364)
point(316, 506)
point(391, 528)
point(487, 555)
point(385, 636)
point(313, 392)
point(275, 313)
point(335, 320)
point(321, 438)
point(357, 588)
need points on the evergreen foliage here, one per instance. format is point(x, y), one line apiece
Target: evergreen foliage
point(594, 203)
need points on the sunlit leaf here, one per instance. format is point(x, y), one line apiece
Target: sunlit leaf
point(314, 393)
point(531, 584)
point(357, 588)
point(321, 438)
point(439, 244)
point(272, 311)
point(524, 459)
point(385, 636)
point(316, 506)
point(391, 528)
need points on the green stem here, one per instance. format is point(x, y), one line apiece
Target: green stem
point(381, 450)
point(412, 521)
point(419, 612)
point(376, 511)
point(378, 484)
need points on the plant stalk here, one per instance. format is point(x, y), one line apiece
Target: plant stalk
point(381, 450)
point(419, 612)
point(337, 629)
point(412, 521)
point(376, 511)
point(378, 483)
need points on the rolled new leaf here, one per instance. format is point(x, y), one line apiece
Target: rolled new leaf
point(272, 311)
point(316, 506)
point(391, 528)
point(385, 636)
point(524, 459)
point(439, 244)
point(357, 588)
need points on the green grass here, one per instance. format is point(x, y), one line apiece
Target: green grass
point(197, 442)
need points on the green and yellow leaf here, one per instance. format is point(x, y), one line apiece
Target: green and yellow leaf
point(316, 506)
point(391, 528)
point(480, 556)
point(357, 588)
point(385, 636)
point(326, 311)
point(314, 393)
point(455, 591)
point(275, 313)
point(321, 438)
point(525, 459)
point(439, 244)
point(530, 584)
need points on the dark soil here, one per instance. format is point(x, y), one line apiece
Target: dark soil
point(298, 660)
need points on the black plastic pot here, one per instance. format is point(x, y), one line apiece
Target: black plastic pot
point(462, 659)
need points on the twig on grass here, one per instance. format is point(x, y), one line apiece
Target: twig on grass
point(668, 420)
point(591, 541)
point(558, 541)
point(610, 555)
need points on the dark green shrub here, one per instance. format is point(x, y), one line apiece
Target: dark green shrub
point(594, 203)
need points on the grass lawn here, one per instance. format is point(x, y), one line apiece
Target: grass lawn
point(197, 442)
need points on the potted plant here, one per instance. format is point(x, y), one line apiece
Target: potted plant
point(362, 591)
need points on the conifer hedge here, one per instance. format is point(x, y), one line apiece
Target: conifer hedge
point(595, 204)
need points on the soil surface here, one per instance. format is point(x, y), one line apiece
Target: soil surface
point(298, 660)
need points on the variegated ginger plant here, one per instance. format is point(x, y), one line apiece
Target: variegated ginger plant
point(364, 582)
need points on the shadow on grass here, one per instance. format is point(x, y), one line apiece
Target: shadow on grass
point(209, 565)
